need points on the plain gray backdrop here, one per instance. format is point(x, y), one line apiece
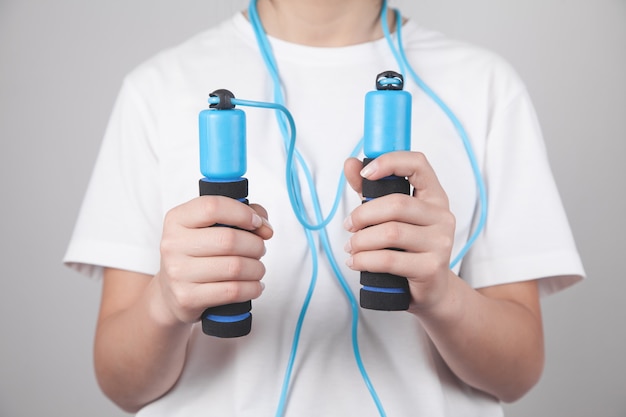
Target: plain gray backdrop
point(61, 64)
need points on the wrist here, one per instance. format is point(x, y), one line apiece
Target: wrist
point(449, 307)
point(158, 309)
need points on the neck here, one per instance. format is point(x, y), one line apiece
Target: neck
point(323, 23)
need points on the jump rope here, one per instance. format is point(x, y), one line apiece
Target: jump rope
point(223, 164)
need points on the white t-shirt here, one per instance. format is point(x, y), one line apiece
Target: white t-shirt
point(149, 163)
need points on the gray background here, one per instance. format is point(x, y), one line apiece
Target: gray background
point(61, 63)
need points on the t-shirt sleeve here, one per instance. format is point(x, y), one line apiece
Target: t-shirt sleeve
point(527, 234)
point(120, 220)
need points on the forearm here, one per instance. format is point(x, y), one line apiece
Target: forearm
point(492, 344)
point(138, 357)
point(145, 322)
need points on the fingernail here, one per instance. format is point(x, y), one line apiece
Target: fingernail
point(262, 286)
point(348, 247)
point(267, 223)
point(257, 221)
point(369, 169)
point(347, 223)
point(349, 262)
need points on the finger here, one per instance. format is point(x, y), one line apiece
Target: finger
point(415, 167)
point(352, 168)
point(395, 207)
point(214, 269)
point(191, 300)
point(265, 231)
point(399, 263)
point(219, 241)
point(207, 211)
point(395, 235)
point(223, 293)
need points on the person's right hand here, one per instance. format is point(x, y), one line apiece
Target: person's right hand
point(203, 266)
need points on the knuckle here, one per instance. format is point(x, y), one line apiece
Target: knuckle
point(232, 291)
point(210, 207)
point(420, 157)
point(397, 201)
point(170, 219)
point(172, 271)
point(209, 204)
point(181, 296)
point(442, 241)
point(226, 239)
point(387, 260)
point(392, 233)
point(435, 263)
point(235, 267)
point(167, 246)
point(449, 220)
point(449, 225)
point(429, 265)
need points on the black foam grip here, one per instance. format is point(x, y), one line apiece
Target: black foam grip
point(384, 186)
point(233, 309)
point(374, 300)
point(385, 301)
point(228, 329)
point(233, 320)
point(234, 189)
point(383, 291)
point(383, 280)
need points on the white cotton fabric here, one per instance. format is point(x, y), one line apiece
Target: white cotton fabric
point(148, 164)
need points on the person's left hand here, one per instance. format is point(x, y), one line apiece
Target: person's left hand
point(420, 224)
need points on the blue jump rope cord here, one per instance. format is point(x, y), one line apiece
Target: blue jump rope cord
point(294, 192)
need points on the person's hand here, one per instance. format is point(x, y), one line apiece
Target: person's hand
point(203, 266)
point(420, 224)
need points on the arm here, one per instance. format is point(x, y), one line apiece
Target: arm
point(129, 341)
point(491, 338)
point(144, 321)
